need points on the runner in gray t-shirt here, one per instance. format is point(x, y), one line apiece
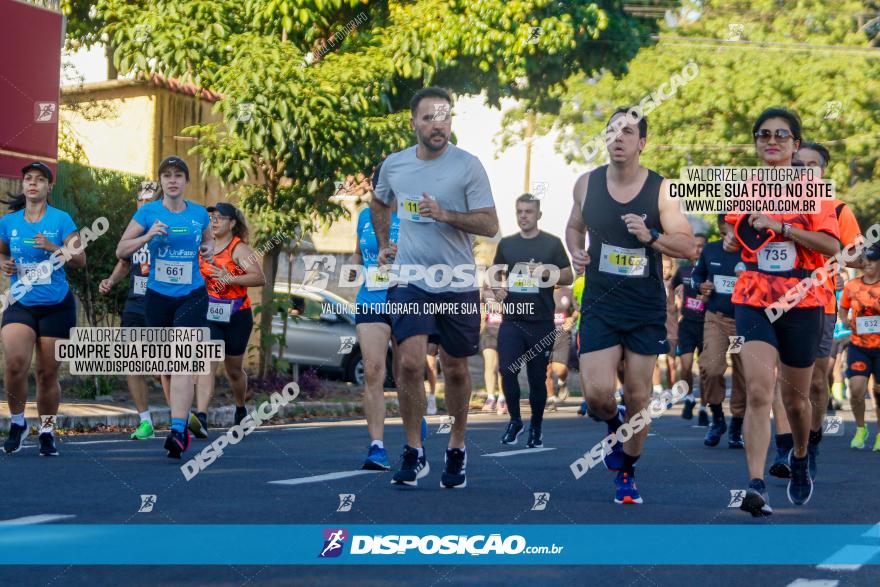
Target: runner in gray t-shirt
point(442, 197)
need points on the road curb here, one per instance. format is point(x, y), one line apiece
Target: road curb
point(222, 417)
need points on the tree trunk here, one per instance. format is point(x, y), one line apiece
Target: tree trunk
point(112, 73)
point(270, 262)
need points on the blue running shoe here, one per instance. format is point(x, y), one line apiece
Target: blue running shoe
point(627, 492)
point(377, 459)
point(424, 430)
point(614, 460)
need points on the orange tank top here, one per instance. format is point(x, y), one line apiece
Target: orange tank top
point(219, 289)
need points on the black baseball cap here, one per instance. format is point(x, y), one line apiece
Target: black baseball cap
point(174, 161)
point(41, 167)
point(224, 209)
point(872, 253)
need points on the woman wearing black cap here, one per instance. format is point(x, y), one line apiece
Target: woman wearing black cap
point(41, 307)
point(233, 270)
point(177, 231)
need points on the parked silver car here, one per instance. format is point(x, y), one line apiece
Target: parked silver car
point(321, 333)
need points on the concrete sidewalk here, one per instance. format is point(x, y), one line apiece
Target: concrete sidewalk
point(88, 415)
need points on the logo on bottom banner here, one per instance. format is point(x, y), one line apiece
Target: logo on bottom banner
point(334, 540)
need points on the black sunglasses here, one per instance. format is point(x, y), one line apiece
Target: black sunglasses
point(781, 134)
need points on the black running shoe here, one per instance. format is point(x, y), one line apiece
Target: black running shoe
point(812, 453)
point(177, 443)
point(240, 414)
point(412, 467)
point(514, 429)
point(47, 445)
point(536, 438)
point(780, 467)
point(703, 418)
point(17, 434)
point(715, 432)
point(756, 501)
point(454, 472)
point(735, 437)
point(688, 412)
point(800, 486)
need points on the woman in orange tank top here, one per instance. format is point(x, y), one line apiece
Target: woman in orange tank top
point(800, 244)
point(228, 276)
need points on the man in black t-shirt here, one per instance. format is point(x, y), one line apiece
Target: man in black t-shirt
point(690, 325)
point(532, 262)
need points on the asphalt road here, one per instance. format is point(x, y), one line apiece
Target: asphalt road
point(99, 479)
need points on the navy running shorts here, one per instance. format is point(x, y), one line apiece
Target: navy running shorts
point(367, 315)
point(52, 321)
point(862, 362)
point(795, 334)
point(134, 320)
point(827, 340)
point(690, 337)
point(639, 334)
point(234, 333)
point(457, 332)
point(189, 311)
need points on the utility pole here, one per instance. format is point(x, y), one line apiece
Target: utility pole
point(530, 133)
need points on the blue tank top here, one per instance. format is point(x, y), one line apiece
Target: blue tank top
point(174, 270)
point(18, 234)
point(372, 291)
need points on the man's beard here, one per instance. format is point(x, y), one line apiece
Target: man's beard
point(426, 142)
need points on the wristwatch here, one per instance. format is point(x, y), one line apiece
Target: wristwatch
point(786, 229)
point(655, 234)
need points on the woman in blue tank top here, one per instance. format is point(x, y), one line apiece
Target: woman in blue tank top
point(39, 306)
point(177, 231)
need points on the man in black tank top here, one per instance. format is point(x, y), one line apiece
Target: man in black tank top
point(631, 221)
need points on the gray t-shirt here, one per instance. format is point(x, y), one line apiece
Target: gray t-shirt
point(458, 182)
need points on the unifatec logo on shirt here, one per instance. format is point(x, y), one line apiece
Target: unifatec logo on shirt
point(334, 541)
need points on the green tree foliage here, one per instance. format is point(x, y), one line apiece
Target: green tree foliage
point(327, 82)
point(808, 55)
point(88, 194)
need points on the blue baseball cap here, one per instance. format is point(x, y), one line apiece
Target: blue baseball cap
point(872, 253)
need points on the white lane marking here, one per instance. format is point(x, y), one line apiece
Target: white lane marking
point(38, 519)
point(813, 583)
point(510, 453)
point(327, 477)
point(860, 552)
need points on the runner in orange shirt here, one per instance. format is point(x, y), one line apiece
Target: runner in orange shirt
point(799, 245)
point(817, 156)
point(862, 296)
point(232, 270)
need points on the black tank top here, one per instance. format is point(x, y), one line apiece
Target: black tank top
point(608, 288)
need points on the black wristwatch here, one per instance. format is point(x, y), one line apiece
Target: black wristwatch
point(655, 234)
